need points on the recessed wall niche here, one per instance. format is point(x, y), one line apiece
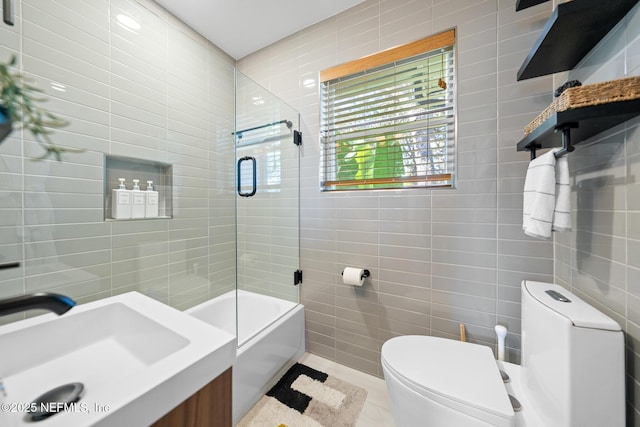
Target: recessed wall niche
point(129, 168)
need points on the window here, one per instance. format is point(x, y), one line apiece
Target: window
point(388, 120)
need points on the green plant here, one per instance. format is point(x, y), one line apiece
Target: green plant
point(16, 97)
point(379, 159)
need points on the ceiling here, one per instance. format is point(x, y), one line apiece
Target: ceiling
point(241, 27)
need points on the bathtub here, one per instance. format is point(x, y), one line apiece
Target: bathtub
point(270, 337)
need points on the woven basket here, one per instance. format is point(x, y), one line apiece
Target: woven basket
point(541, 118)
point(589, 95)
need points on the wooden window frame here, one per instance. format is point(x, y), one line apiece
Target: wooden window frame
point(446, 39)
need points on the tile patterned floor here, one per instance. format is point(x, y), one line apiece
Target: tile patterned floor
point(377, 408)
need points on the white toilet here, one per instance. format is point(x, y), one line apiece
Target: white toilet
point(572, 371)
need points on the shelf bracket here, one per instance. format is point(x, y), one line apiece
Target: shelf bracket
point(566, 139)
point(532, 150)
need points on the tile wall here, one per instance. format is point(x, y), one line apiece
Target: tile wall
point(600, 259)
point(159, 92)
point(438, 258)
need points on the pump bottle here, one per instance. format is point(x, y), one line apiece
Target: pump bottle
point(137, 200)
point(120, 201)
point(151, 202)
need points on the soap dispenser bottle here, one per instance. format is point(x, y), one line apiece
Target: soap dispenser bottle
point(121, 202)
point(138, 201)
point(151, 202)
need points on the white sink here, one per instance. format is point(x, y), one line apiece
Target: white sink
point(137, 359)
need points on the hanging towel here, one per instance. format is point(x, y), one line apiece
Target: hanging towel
point(547, 193)
point(562, 210)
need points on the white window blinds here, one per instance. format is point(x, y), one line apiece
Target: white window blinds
point(391, 125)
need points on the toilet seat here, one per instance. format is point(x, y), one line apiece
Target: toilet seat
point(462, 376)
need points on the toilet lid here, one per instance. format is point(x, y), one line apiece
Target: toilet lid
point(461, 375)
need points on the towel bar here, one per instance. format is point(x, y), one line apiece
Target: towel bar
point(566, 141)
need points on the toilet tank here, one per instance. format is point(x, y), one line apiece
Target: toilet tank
point(573, 359)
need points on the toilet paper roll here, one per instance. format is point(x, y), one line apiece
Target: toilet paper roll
point(353, 276)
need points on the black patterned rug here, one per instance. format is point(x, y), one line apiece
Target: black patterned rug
point(305, 397)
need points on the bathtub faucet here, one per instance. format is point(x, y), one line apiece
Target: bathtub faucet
point(57, 303)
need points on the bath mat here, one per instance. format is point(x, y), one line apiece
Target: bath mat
point(305, 397)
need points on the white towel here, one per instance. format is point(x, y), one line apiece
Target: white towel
point(562, 210)
point(547, 193)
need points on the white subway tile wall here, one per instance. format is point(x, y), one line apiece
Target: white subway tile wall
point(160, 92)
point(442, 257)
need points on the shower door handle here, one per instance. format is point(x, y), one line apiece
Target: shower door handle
point(7, 12)
point(254, 178)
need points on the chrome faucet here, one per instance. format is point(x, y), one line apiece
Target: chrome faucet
point(57, 303)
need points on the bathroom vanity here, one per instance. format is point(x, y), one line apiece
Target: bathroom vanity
point(134, 357)
point(209, 407)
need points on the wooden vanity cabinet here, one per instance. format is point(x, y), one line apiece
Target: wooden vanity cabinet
point(208, 407)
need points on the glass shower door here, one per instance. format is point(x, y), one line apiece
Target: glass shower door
point(267, 196)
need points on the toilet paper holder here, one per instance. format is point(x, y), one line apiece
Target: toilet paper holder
point(365, 274)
